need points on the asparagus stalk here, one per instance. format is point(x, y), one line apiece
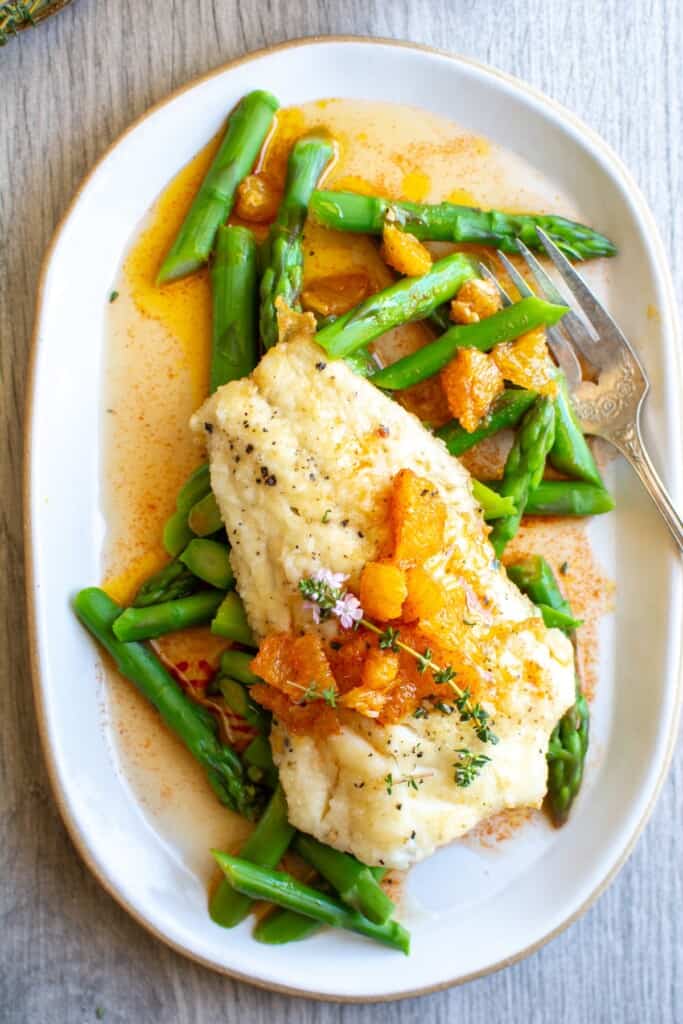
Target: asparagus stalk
point(265, 846)
point(234, 348)
point(285, 891)
point(524, 466)
point(167, 617)
point(564, 498)
point(409, 299)
point(536, 579)
point(191, 724)
point(170, 583)
point(204, 518)
point(177, 534)
point(231, 621)
point(557, 619)
point(570, 453)
point(237, 698)
point(493, 505)
point(209, 561)
point(356, 886)
point(505, 325)
point(569, 740)
point(258, 757)
point(237, 665)
point(507, 411)
point(449, 222)
point(283, 272)
point(248, 126)
point(282, 926)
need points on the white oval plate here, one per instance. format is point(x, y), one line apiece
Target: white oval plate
point(469, 913)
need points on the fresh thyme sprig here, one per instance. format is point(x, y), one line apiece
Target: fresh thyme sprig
point(325, 595)
point(469, 710)
point(468, 766)
point(312, 693)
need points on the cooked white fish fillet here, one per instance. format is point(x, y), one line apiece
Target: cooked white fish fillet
point(303, 454)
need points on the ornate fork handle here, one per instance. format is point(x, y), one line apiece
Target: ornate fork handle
point(629, 443)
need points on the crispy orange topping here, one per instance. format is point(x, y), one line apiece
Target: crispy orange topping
point(425, 597)
point(404, 252)
point(471, 381)
point(380, 669)
point(418, 518)
point(336, 293)
point(294, 664)
point(257, 199)
point(476, 300)
point(526, 362)
point(383, 590)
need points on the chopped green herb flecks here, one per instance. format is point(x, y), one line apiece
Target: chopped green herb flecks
point(468, 766)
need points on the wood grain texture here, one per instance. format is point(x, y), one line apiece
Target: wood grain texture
point(67, 90)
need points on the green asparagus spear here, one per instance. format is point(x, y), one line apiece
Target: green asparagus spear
point(234, 346)
point(237, 697)
point(493, 505)
point(167, 617)
point(555, 617)
point(448, 222)
point(237, 665)
point(265, 846)
point(505, 325)
point(282, 926)
point(258, 757)
point(283, 274)
point(536, 579)
point(231, 621)
point(506, 411)
point(524, 466)
point(570, 453)
point(282, 889)
point(569, 741)
point(210, 561)
point(362, 362)
point(356, 886)
point(566, 758)
point(204, 518)
point(248, 126)
point(190, 723)
point(409, 299)
point(170, 583)
point(564, 498)
point(177, 534)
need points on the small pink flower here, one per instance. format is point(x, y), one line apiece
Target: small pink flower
point(348, 610)
point(314, 610)
point(335, 580)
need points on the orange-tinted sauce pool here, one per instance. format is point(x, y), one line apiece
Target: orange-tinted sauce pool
point(158, 372)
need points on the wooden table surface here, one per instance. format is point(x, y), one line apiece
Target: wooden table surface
point(68, 953)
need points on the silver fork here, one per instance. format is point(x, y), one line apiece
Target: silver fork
point(608, 407)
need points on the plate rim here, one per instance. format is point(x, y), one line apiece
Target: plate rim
point(30, 591)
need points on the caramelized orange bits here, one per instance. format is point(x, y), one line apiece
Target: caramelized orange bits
point(383, 590)
point(294, 664)
point(471, 381)
point(425, 597)
point(527, 363)
point(257, 199)
point(336, 293)
point(404, 252)
point(418, 519)
point(378, 675)
point(476, 300)
point(380, 669)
